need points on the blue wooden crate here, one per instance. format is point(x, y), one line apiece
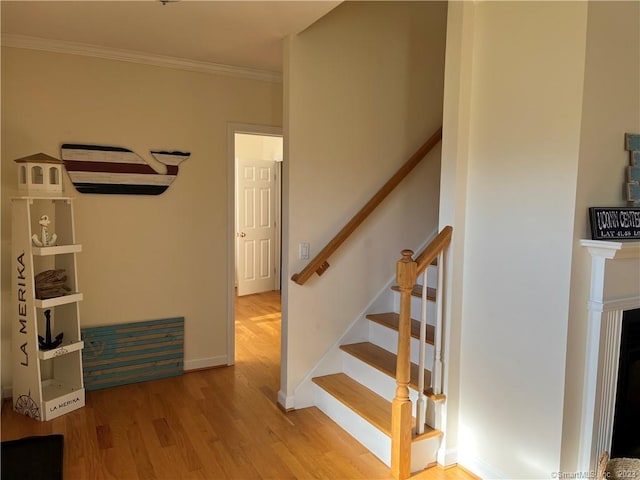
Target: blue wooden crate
point(134, 352)
point(632, 141)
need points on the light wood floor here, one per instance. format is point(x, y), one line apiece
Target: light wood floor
point(211, 424)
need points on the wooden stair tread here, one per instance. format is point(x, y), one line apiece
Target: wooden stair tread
point(417, 292)
point(366, 403)
point(385, 361)
point(391, 320)
point(428, 433)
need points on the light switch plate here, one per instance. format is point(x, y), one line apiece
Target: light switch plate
point(304, 251)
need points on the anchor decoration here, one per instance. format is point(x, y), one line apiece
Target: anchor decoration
point(45, 240)
point(47, 343)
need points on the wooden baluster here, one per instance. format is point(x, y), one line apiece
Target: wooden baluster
point(406, 273)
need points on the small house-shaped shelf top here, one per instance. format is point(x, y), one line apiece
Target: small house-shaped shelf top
point(39, 174)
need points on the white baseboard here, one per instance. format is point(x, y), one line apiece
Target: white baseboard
point(7, 392)
point(201, 363)
point(480, 468)
point(448, 458)
point(286, 402)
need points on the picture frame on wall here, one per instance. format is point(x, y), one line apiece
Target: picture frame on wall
point(615, 223)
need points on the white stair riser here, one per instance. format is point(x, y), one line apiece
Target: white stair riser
point(435, 414)
point(416, 308)
point(373, 439)
point(432, 277)
point(372, 378)
point(388, 339)
point(381, 383)
point(424, 453)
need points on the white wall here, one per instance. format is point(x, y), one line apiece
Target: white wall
point(258, 147)
point(363, 90)
point(144, 257)
point(611, 107)
point(453, 200)
point(518, 116)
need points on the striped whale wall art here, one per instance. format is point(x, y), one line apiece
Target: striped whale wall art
point(116, 170)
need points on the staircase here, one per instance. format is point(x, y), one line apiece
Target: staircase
point(359, 398)
point(379, 385)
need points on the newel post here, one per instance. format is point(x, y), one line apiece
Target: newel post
point(406, 272)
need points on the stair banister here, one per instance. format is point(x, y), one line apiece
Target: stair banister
point(407, 271)
point(319, 263)
point(437, 341)
point(436, 246)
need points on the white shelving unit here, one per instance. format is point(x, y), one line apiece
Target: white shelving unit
point(46, 383)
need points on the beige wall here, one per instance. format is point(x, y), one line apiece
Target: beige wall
point(516, 113)
point(144, 257)
point(363, 90)
point(611, 107)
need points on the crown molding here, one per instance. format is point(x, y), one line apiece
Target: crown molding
point(87, 50)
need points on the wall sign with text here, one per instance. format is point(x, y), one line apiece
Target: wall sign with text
point(615, 223)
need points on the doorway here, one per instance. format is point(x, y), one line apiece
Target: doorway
point(257, 212)
point(254, 233)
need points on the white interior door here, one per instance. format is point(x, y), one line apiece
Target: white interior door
point(256, 228)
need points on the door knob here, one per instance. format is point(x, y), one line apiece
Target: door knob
point(242, 234)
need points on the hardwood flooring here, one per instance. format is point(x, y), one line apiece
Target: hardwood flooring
point(221, 423)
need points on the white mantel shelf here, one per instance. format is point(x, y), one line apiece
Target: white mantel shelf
point(615, 288)
point(612, 250)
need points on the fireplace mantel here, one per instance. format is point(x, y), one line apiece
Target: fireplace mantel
point(614, 288)
point(611, 249)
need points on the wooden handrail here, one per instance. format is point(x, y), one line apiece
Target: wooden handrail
point(319, 263)
point(430, 253)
